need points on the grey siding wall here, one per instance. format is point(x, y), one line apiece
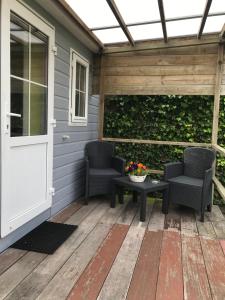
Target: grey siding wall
point(68, 164)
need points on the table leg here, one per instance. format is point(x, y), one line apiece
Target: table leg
point(135, 196)
point(143, 197)
point(165, 203)
point(113, 196)
point(121, 195)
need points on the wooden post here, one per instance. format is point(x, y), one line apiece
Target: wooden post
point(102, 100)
point(217, 88)
point(215, 125)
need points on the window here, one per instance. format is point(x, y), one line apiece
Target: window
point(78, 90)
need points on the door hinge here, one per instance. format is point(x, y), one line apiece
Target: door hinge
point(55, 50)
point(53, 122)
point(52, 191)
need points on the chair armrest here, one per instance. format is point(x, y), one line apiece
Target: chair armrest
point(118, 164)
point(173, 169)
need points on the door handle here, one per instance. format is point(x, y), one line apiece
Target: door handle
point(14, 115)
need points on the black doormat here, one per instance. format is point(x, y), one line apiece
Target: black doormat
point(46, 238)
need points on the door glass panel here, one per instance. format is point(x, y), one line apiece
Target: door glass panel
point(19, 105)
point(38, 110)
point(19, 46)
point(39, 55)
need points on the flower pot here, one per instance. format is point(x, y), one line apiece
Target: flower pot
point(135, 178)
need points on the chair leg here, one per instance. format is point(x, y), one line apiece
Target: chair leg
point(209, 207)
point(202, 216)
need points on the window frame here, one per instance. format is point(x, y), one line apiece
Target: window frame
point(74, 58)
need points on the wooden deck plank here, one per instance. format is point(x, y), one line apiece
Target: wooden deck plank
point(33, 284)
point(144, 280)
point(173, 219)
point(170, 279)
point(128, 214)
point(66, 213)
point(9, 257)
point(206, 229)
point(215, 215)
point(196, 285)
point(60, 286)
point(215, 265)
point(188, 222)
point(17, 272)
point(117, 283)
point(89, 284)
point(219, 228)
point(222, 243)
point(157, 218)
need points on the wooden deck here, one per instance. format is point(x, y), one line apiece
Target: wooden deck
point(114, 256)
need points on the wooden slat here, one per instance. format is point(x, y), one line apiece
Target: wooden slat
point(161, 90)
point(170, 279)
point(157, 217)
point(205, 229)
point(128, 214)
point(220, 188)
point(9, 257)
point(196, 285)
point(220, 149)
point(119, 277)
point(219, 228)
point(161, 70)
point(144, 280)
point(60, 286)
point(222, 243)
point(215, 215)
point(217, 93)
point(17, 272)
point(173, 219)
point(215, 265)
point(188, 222)
point(89, 284)
point(153, 142)
point(33, 284)
point(64, 215)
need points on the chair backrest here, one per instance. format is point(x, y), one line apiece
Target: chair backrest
point(197, 160)
point(99, 154)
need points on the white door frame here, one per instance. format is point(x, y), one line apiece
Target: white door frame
point(31, 17)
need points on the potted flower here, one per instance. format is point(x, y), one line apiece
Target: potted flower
point(137, 172)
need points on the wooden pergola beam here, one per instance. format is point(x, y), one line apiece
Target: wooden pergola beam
point(120, 20)
point(163, 20)
point(204, 17)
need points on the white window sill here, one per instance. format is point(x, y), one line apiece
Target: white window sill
point(78, 123)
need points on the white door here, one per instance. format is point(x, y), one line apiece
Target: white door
point(27, 80)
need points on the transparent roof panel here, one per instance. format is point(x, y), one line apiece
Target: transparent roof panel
point(94, 13)
point(217, 6)
point(181, 8)
point(108, 36)
point(184, 27)
point(134, 11)
point(144, 32)
point(214, 24)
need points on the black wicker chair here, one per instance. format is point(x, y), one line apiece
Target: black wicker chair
point(101, 167)
point(191, 180)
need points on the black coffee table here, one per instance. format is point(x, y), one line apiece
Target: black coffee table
point(142, 188)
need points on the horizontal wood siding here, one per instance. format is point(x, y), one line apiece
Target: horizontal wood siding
point(178, 71)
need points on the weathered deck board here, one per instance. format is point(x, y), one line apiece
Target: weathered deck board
point(222, 243)
point(215, 215)
point(117, 283)
point(170, 279)
point(92, 279)
point(144, 281)
point(173, 219)
point(196, 285)
point(33, 285)
point(215, 261)
point(60, 286)
point(61, 217)
point(188, 222)
point(17, 272)
point(219, 228)
point(128, 214)
point(206, 229)
point(9, 257)
point(157, 218)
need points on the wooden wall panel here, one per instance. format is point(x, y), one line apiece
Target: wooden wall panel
point(180, 71)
